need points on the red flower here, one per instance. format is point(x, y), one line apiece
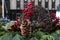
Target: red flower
point(29, 10)
point(57, 21)
point(53, 15)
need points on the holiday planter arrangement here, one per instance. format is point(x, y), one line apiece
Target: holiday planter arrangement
point(35, 23)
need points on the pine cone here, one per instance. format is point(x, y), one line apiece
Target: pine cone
point(25, 28)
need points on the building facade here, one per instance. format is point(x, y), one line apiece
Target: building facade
point(14, 7)
point(48, 4)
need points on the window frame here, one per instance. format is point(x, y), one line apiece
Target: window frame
point(25, 2)
point(53, 4)
point(17, 4)
point(40, 2)
point(46, 3)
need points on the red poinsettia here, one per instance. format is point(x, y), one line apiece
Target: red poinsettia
point(29, 10)
point(56, 20)
point(53, 15)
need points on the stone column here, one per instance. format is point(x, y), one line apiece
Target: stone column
point(57, 4)
point(50, 4)
point(12, 4)
point(3, 8)
point(21, 4)
point(43, 3)
point(29, 0)
point(36, 2)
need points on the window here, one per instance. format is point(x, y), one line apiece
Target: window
point(25, 3)
point(18, 4)
point(53, 3)
point(58, 8)
point(46, 3)
point(18, 0)
point(39, 2)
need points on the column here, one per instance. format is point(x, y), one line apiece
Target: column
point(50, 4)
point(57, 4)
point(21, 4)
point(43, 3)
point(29, 0)
point(3, 8)
point(12, 4)
point(36, 2)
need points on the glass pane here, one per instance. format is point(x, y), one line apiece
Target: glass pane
point(53, 0)
point(53, 4)
point(46, 4)
point(46, 0)
point(40, 0)
point(18, 0)
point(58, 8)
point(18, 4)
point(25, 0)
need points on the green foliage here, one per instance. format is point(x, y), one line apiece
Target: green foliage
point(11, 36)
point(2, 32)
point(38, 35)
point(8, 25)
point(56, 34)
point(14, 35)
point(47, 37)
point(2, 23)
point(17, 37)
point(7, 36)
point(34, 38)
